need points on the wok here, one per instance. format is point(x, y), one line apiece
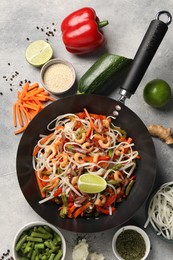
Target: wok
point(127, 120)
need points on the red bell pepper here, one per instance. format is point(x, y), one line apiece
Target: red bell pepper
point(81, 31)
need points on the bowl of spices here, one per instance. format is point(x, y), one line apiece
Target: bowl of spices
point(58, 76)
point(131, 243)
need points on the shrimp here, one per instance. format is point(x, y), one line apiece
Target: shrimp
point(118, 176)
point(87, 146)
point(50, 151)
point(104, 144)
point(74, 180)
point(64, 158)
point(96, 157)
point(119, 150)
point(106, 122)
point(78, 157)
point(101, 200)
point(81, 140)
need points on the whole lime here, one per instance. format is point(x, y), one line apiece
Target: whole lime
point(157, 93)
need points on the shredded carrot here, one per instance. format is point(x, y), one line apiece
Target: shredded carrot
point(14, 115)
point(80, 210)
point(43, 140)
point(23, 114)
point(19, 115)
point(91, 121)
point(20, 130)
point(71, 210)
point(30, 101)
point(32, 86)
point(40, 186)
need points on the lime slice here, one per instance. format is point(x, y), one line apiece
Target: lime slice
point(91, 183)
point(38, 53)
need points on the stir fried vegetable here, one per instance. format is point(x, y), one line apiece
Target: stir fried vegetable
point(78, 144)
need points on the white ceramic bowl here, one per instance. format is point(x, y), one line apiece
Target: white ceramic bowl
point(135, 228)
point(36, 224)
point(57, 76)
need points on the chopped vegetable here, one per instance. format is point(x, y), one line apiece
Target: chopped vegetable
point(81, 31)
point(161, 132)
point(75, 168)
point(29, 103)
point(39, 239)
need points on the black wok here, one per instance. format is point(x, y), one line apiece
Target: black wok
point(127, 119)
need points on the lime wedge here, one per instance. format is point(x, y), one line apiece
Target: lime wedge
point(91, 183)
point(38, 53)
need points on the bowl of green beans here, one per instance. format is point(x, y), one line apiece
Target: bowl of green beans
point(39, 240)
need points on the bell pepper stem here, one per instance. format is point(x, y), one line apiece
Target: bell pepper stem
point(102, 24)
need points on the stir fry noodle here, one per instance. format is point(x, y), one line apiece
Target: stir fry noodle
point(84, 143)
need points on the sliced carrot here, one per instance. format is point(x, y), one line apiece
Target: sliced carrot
point(88, 158)
point(24, 90)
point(19, 115)
point(20, 130)
point(32, 86)
point(42, 141)
point(31, 106)
point(14, 115)
point(97, 116)
point(80, 210)
point(91, 121)
point(34, 92)
point(24, 115)
point(30, 101)
point(71, 210)
point(40, 186)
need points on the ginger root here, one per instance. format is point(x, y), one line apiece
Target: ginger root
point(161, 132)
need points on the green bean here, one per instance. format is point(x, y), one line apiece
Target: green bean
point(27, 247)
point(59, 255)
point(39, 246)
point(129, 187)
point(34, 239)
point(47, 228)
point(39, 243)
point(20, 243)
point(42, 230)
point(47, 243)
point(52, 256)
point(36, 234)
point(57, 237)
point(31, 251)
point(52, 244)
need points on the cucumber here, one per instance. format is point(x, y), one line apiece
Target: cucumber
point(95, 78)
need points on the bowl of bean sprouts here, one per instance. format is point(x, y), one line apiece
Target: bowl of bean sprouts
point(160, 212)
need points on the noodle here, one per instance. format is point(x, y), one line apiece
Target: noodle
point(84, 143)
point(160, 211)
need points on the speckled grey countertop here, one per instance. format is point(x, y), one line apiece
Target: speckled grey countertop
point(128, 21)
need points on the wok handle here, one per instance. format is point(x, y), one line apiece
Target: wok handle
point(144, 55)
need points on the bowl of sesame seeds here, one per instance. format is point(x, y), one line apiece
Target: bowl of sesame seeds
point(58, 76)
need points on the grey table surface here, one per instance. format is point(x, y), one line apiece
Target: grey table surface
point(128, 21)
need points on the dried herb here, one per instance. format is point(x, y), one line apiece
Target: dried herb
point(130, 245)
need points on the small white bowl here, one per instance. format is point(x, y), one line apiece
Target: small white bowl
point(135, 228)
point(36, 224)
point(57, 76)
